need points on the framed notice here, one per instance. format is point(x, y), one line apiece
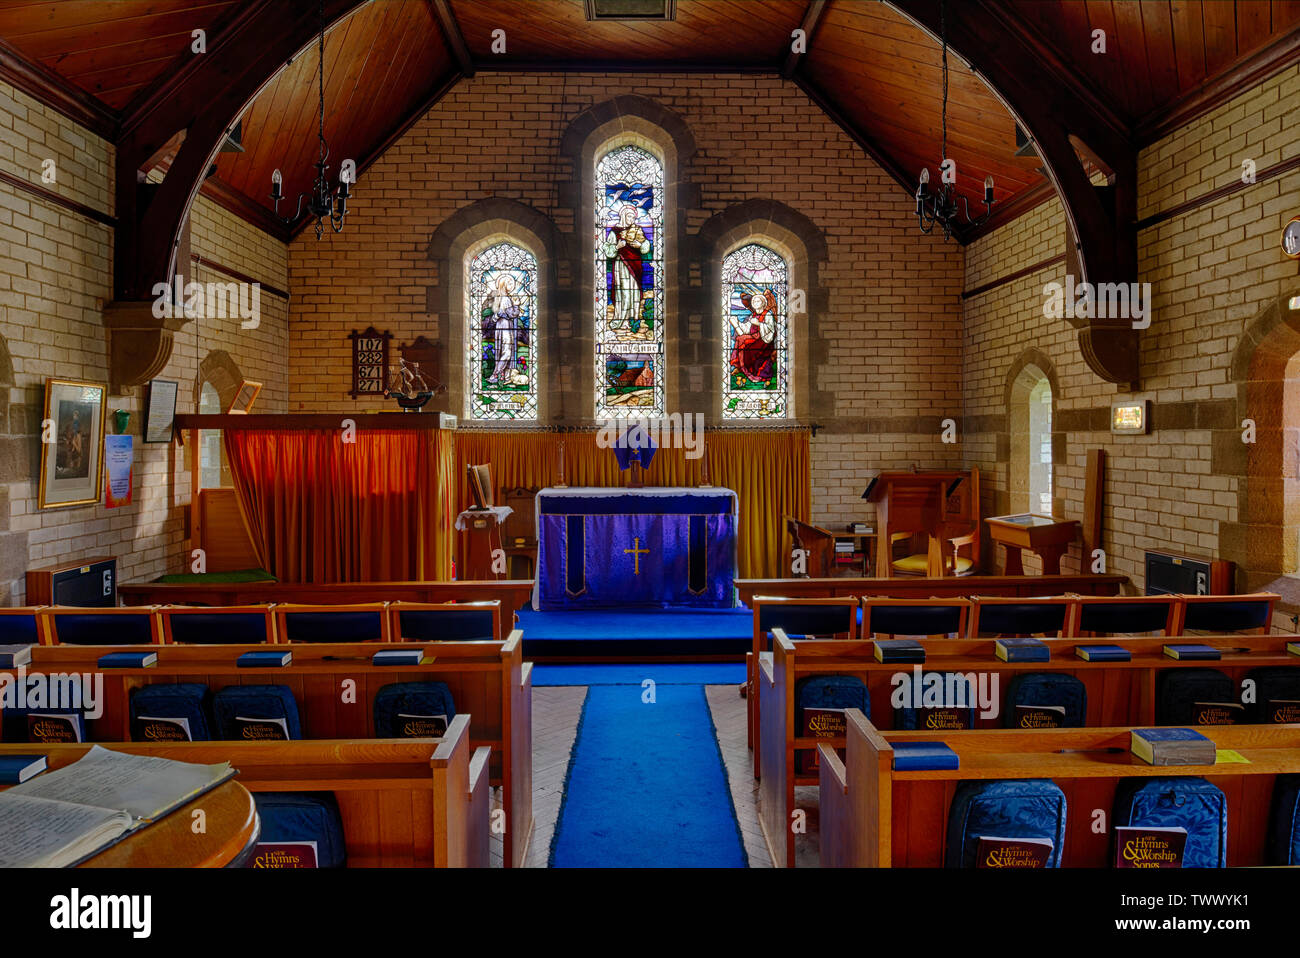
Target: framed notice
point(119, 452)
point(160, 416)
point(369, 362)
point(72, 443)
point(246, 395)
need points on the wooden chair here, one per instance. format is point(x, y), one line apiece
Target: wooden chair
point(443, 621)
point(924, 617)
point(519, 532)
point(1050, 617)
point(1126, 615)
point(23, 625)
point(1219, 613)
point(360, 622)
point(72, 625)
point(228, 625)
point(948, 524)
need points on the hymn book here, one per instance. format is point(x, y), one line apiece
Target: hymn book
point(1040, 716)
point(12, 656)
point(899, 650)
point(1218, 713)
point(1192, 651)
point(16, 769)
point(1022, 650)
point(1149, 846)
point(996, 852)
point(1103, 653)
point(1172, 746)
point(65, 816)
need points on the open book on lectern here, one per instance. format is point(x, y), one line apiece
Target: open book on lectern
point(64, 817)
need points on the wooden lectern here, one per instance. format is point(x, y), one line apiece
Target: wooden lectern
point(919, 502)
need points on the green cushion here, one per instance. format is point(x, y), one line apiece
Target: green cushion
point(919, 564)
point(217, 578)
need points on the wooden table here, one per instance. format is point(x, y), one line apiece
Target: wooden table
point(232, 830)
point(1045, 535)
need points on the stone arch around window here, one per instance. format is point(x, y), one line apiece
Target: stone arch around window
point(1264, 542)
point(1029, 371)
point(219, 369)
point(641, 122)
point(1030, 424)
point(801, 243)
point(463, 235)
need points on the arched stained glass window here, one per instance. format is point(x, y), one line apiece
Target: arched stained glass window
point(501, 312)
point(629, 332)
point(755, 340)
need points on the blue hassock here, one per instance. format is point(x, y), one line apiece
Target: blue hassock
point(646, 786)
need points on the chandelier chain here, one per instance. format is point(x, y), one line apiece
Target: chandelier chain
point(943, 116)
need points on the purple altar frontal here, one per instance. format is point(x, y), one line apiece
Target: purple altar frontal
point(656, 547)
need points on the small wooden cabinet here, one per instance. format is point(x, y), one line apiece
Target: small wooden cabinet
point(88, 582)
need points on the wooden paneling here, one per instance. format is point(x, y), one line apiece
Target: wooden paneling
point(111, 50)
point(719, 31)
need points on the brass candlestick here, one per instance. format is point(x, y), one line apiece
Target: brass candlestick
point(704, 467)
point(561, 484)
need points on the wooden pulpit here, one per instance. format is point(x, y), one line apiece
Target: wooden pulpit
point(941, 504)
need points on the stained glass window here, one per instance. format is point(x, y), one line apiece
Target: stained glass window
point(501, 345)
point(755, 340)
point(629, 333)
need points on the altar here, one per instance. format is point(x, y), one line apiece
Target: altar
point(652, 547)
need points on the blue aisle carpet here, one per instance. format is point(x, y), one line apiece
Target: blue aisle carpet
point(722, 673)
point(636, 632)
point(646, 787)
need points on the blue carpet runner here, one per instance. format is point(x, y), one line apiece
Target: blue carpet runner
point(636, 633)
point(646, 787)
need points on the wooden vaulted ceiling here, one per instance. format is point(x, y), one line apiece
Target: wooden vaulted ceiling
point(869, 66)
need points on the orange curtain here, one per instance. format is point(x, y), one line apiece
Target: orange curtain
point(768, 469)
point(322, 510)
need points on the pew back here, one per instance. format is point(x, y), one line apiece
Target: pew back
point(915, 617)
point(71, 625)
point(443, 621)
point(874, 816)
point(228, 625)
point(404, 802)
point(358, 622)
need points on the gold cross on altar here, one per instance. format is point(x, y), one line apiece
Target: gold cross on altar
point(637, 553)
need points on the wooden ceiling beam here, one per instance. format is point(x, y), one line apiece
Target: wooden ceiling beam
point(210, 93)
point(812, 16)
point(446, 19)
point(1026, 77)
point(56, 92)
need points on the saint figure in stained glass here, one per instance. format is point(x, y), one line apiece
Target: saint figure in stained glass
point(501, 354)
point(755, 337)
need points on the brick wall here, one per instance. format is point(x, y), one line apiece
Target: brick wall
point(55, 277)
point(1212, 270)
point(892, 325)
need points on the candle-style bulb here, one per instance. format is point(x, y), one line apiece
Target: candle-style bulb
point(988, 189)
point(276, 182)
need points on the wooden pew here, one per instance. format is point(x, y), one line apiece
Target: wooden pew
point(1119, 693)
point(872, 816)
point(404, 802)
point(915, 587)
point(513, 594)
point(488, 680)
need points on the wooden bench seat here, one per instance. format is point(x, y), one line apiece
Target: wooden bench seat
point(488, 680)
point(404, 802)
point(873, 816)
point(1119, 694)
point(926, 587)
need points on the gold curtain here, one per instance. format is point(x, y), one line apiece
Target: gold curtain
point(322, 510)
point(768, 469)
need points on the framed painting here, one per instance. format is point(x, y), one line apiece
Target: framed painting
point(72, 443)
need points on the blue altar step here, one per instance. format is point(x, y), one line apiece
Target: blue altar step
point(592, 634)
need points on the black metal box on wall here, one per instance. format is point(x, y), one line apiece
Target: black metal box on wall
point(1168, 573)
point(88, 582)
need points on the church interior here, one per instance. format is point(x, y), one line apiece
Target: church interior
point(650, 434)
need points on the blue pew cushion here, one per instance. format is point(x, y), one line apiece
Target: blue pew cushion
point(819, 704)
point(1190, 803)
point(1226, 616)
point(1181, 692)
point(299, 830)
point(1016, 809)
point(341, 626)
point(167, 712)
point(445, 625)
point(1023, 620)
point(1277, 695)
point(1119, 617)
point(954, 706)
point(1045, 700)
point(413, 710)
point(95, 628)
point(256, 713)
point(238, 628)
point(916, 619)
point(1284, 822)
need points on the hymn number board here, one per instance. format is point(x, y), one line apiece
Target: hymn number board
point(369, 362)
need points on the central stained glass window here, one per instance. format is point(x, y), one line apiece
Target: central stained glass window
point(629, 308)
